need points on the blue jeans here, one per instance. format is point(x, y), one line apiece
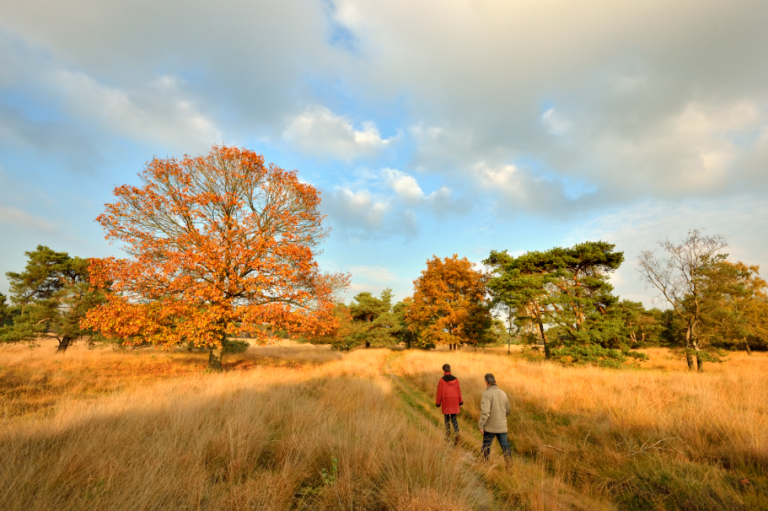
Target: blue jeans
point(488, 440)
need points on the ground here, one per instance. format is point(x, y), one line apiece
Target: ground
point(302, 427)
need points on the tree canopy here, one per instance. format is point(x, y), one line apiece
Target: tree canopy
point(218, 243)
point(643, 327)
point(52, 295)
point(368, 321)
point(566, 288)
point(735, 306)
point(450, 303)
point(5, 313)
point(375, 325)
point(682, 278)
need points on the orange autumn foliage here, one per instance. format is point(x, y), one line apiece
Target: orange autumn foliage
point(220, 243)
point(449, 304)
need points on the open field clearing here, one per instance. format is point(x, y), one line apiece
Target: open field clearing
point(308, 428)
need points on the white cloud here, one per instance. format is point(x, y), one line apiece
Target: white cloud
point(554, 121)
point(356, 209)
point(156, 112)
point(393, 211)
point(503, 176)
point(519, 190)
point(372, 279)
point(246, 67)
point(405, 186)
point(318, 131)
point(640, 91)
point(473, 85)
point(695, 150)
point(443, 201)
point(359, 215)
point(452, 150)
point(440, 202)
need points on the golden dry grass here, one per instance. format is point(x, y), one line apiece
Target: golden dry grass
point(249, 439)
point(104, 429)
point(663, 438)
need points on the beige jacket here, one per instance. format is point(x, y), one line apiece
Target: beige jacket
point(494, 409)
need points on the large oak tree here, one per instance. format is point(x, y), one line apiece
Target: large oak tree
point(218, 243)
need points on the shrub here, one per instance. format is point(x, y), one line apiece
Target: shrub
point(595, 354)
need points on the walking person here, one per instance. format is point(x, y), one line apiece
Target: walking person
point(449, 399)
point(494, 409)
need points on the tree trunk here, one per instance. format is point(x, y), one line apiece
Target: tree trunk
point(688, 356)
point(367, 344)
point(214, 359)
point(746, 347)
point(63, 345)
point(547, 354)
point(689, 359)
point(699, 361)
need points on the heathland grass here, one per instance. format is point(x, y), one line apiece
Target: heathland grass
point(308, 428)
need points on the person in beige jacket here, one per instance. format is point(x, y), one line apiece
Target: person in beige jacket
point(494, 409)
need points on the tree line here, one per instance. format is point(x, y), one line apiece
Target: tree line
point(561, 300)
point(223, 245)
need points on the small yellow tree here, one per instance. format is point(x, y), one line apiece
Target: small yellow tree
point(450, 303)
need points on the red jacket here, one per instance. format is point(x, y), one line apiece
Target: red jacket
point(449, 394)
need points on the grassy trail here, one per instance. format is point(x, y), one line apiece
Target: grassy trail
point(494, 475)
point(416, 407)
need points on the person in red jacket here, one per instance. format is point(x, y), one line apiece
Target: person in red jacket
point(449, 398)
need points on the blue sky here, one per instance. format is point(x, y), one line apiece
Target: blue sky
point(430, 127)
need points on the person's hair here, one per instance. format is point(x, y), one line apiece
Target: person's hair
point(446, 368)
point(491, 379)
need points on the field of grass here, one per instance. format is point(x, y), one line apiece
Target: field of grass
point(308, 428)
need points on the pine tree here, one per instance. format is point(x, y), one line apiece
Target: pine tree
point(52, 295)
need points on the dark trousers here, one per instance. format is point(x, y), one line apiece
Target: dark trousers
point(451, 418)
point(488, 440)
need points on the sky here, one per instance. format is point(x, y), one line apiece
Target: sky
point(431, 127)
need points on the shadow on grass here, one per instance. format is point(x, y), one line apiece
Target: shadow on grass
point(326, 443)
